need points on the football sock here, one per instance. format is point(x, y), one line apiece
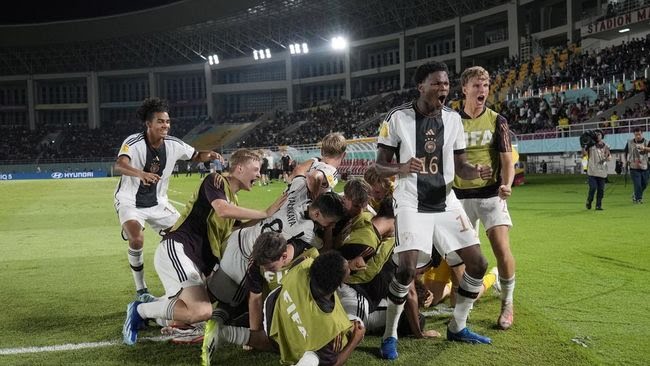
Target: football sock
point(465, 297)
point(235, 335)
point(163, 309)
point(507, 289)
point(136, 260)
point(396, 298)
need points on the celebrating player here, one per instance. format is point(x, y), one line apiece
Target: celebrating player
point(146, 161)
point(428, 140)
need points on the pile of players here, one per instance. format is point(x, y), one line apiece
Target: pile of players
point(308, 276)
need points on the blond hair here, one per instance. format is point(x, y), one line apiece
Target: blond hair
point(473, 72)
point(242, 156)
point(371, 176)
point(333, 145)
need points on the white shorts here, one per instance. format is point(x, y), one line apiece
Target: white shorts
point(160, 217)
point(175, 270)
point(491, 211)
point(353, 302)
point(447, 231)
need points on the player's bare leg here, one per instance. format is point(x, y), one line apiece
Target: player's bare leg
point(500, 241)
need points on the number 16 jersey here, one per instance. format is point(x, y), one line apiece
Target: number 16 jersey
point(432, 139)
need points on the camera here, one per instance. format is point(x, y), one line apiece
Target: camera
point(588, 138)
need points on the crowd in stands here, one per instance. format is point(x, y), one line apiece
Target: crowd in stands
point(360, 117)
point(72, 142)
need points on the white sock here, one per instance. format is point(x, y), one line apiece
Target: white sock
point(235, 335)
point(136, 260)
point(507, 288)
point(161, 309)
point(376, 320)
point(394, 310)
point(465, 297)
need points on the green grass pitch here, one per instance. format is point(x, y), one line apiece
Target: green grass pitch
point(581, 297)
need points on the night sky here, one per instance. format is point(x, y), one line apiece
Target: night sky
point(21, 12)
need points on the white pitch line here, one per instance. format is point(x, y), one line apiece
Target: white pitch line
point(177, 203)
point(72, 346)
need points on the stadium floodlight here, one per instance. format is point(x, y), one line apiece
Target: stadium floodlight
point(296, 46)
point(261, 53)
point(623, 30)
point(339, 43)
point(292, 49)
point(215, 58)
point(210, 61)
point(255, 55)
point(305, 49)
point(268, 53)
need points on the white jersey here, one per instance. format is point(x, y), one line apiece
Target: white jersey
point(330, 172)
point(291, 220)
point(433, 140)
point(130, 190)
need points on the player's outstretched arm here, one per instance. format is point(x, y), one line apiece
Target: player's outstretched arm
point(207, 155)
point(227, 210)
point(124, 167)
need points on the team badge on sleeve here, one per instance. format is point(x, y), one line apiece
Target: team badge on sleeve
point(383, 130)
point(124, 149)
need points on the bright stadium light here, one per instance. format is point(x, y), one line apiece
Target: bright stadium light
point(210, 61)
point(292, 49)
point(339, 43)
point(261, 53)
point(305, 49)
point(255, 55)
point(296, 46)
point(268, 53)
point(624, 30)
point(216, 59)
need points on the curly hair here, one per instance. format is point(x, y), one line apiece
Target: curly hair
point(425, 70)
point(150, 106)
point(327, 271)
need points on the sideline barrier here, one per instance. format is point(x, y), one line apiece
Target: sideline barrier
point(53, 175)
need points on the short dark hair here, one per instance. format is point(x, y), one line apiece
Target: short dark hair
point(356, 190)
point(637, 129)
point(150, 106)
point(429, 68)
point(330, 205)
point(327, 271)
point(268, 248)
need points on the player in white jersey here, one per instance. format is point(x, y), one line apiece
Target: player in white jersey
point(323, 171)
point(428, 140)
point(146, 161)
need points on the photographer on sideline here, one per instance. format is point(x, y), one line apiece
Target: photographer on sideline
point(636, 156)
point(598, 155)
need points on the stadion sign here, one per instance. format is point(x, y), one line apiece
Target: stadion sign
point(616, 22)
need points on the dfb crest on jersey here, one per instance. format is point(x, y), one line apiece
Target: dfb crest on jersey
point(155, 165)
point(430, 141)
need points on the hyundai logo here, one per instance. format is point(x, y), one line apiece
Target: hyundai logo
point(57, 175)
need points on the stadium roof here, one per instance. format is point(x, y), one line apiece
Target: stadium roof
point(188, 31)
